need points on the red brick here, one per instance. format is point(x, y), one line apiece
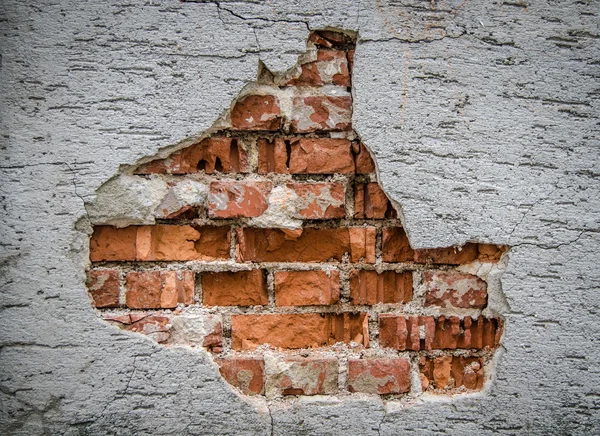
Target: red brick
point(213, 341)
point(311, 245)
point(401, 333)
point(294, 331)
point(319, 200)
point(395, 245)
point(371, 202)
point(336, 38)
point(235, 199)
point(311, 114)
point(362, 159)
point(369, 287)
point(245, 373)
point(256, 112)
point(103, 285)
point(316, 39)
point(321, 156)
point(159, 289)
point(450, 289)
point(350, 61)
point(304, 376)
point(330, 68)
point(157, 327)
point(307, 288)
point(490, 252)
point(159, 242)
point(220, 154)
point(447, 255)
point(451, 372)
point(379, 376)
point(273, 156)
point(243, 288)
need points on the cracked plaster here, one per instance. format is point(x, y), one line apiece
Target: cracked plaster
point(482, 116)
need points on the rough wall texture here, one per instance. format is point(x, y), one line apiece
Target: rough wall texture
point(483, 119)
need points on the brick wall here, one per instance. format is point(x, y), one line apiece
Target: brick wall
point(277, 251)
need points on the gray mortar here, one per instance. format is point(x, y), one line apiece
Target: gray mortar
point(483, 120)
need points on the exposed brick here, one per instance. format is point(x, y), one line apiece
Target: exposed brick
point(395, 245)
point(450, 289)
point(220, 154)
point(425, 333)
point(369, 287)
point(350, 61)
point(155, 326)
point(330, 68)
point(293, 331)
point(213, 341)
point(159, 289)
point(256, 112)
point(307, 288)
point(379, 376)
point(159, 242)
point(245, 373)
point(323, 113)
point(243, 288)
point(303, 376)
point(235, 199)
point(205, 329)
point(336, 38)
point(311, 245)
point(490, 252)
point(451, 372)
point(319, 200)
point(321, 156)
point(448, 255)
point(316, 39)
point(363, 161)
point(103, 285)
point(273, 156)
point(371, 202)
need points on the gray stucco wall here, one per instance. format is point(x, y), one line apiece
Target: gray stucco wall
point(483, 117)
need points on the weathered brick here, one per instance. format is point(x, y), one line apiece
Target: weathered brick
point(451, 372)
point(350, 61)
point(245, 373)
point(363, 161)
point(235, 199)
point(273, 156)
point(256, 112)
point(213, 154)
point(379, 376)
point(159, 242)
point(425, 333)
point(308, 245)
point(294, 331)
point(307, 288)
point(321, 156)
point(371, 202)
point(157, 327)
point(302, 376)
point(159, 289)
point(330, 68)
point(204, 330)
point(242, 288)
point(450, 289)
point(319, 200)
point(322, 113)
point(447, 255)
point(490, 252)
point(369, 287)
point(395, 245)
point(103, 285)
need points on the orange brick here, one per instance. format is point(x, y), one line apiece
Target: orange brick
point(369, 287)
point(235, 199)
point(307, 288)
point(447, 255)
point(449, 289)
point(245, 373)
point(379, 376)
point(395, 245)
point(243, 288)
point(319, 200)
point(311, 245)
point(103, 285)
point(159, 289)
point(273, 156)
point(213, 154)
point(292, 331)
point(321, 156)
point(110, 243)
point(362, 159)
point(256, 112)
point(451, 372)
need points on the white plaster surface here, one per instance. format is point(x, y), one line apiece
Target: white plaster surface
point(483, 116)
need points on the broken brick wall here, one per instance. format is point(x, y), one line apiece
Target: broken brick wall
point(276, 249)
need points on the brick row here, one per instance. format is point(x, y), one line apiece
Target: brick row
point(416, 333)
